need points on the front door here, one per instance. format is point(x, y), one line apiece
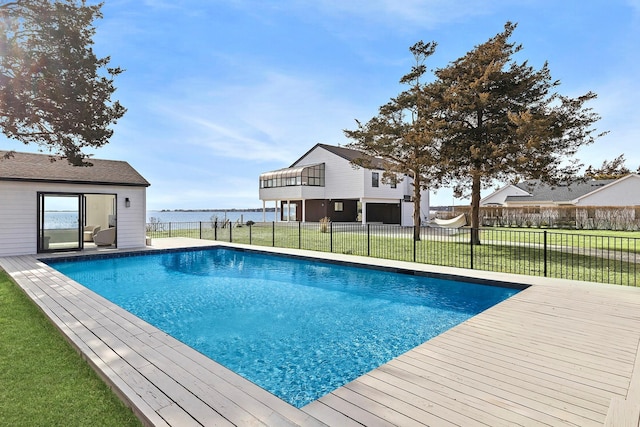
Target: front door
point(60, 220)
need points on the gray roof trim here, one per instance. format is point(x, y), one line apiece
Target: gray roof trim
point(62, 181)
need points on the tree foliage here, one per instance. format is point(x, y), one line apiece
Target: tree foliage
point(54, 90)
point(505, 121)
point(485, 117)
point(404, 133)
point(613, 169)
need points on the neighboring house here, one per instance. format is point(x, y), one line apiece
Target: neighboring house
point(323, 183)
point(624, 191)
point(45, 205)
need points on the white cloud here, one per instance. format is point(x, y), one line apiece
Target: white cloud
point(229, 142)
point(268, 120)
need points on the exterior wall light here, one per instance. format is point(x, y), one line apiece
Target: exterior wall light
point(127, 202)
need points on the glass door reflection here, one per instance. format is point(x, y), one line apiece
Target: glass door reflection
point(60, 222)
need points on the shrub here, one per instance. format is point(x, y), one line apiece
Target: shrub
point(324, 224)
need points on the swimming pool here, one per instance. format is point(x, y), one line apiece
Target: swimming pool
point(297, 328)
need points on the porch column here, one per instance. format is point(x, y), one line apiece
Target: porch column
point(364, 211)
point(275, 214)
point(304, 211)
point(288, 210)
point(264, 211)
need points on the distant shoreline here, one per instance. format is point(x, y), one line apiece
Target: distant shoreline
point(215, 210)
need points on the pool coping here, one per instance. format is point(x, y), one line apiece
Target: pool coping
point(167, 383)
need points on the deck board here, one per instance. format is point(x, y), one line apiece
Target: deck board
point(558, 353)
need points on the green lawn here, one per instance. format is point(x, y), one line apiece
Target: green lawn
point(594, 239)
point(43, 380)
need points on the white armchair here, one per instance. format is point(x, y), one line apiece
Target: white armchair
point(105, 237)
point(89, 231)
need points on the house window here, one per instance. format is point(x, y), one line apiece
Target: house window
point(375, 179)
point(304, 175)
point(313, 175)
point(338, 207)
point(394, 184)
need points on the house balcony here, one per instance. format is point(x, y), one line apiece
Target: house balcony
point(302, 182)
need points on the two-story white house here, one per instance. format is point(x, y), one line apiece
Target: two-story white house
point(324, 183)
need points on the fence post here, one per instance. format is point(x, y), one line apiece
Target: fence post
point(330, 236)
point(215, 230)
point(200, 230)
point(299, 235)
point(545, 252)
point(273, 234)
point(414, 242)
point(169, 229)
point(230, 227)
point(368, 239)
point(250, 228)
point(471, 246)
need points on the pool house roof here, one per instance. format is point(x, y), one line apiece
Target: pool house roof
point(32, 167)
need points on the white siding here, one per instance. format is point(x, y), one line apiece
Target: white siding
point(19, 216)
point(131, 220)
point(281, 193)
point(407, 214)
point(624, 192)
point(383, 191)
point(425, 205)
point(407, 210)
point(342, 180)
point(18, 219)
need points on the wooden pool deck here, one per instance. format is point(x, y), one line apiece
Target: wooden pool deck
point(558, 353)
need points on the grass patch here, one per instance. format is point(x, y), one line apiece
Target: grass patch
point(628, 241)
point(43, 380)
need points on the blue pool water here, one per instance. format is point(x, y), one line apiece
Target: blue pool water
point(297, 328)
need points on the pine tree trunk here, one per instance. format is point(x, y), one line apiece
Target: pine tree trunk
point(475, 208)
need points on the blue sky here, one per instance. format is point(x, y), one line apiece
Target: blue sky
point(219, 91)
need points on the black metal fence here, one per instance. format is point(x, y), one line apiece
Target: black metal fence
point(548, 253)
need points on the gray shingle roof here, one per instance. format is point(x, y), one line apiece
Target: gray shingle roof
point(348, 154)
point(40, 168)
point(561, 193)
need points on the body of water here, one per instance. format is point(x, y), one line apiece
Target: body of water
point(66, 220)
point(233, 216)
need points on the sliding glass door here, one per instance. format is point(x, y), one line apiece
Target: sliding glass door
point(60, 220)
